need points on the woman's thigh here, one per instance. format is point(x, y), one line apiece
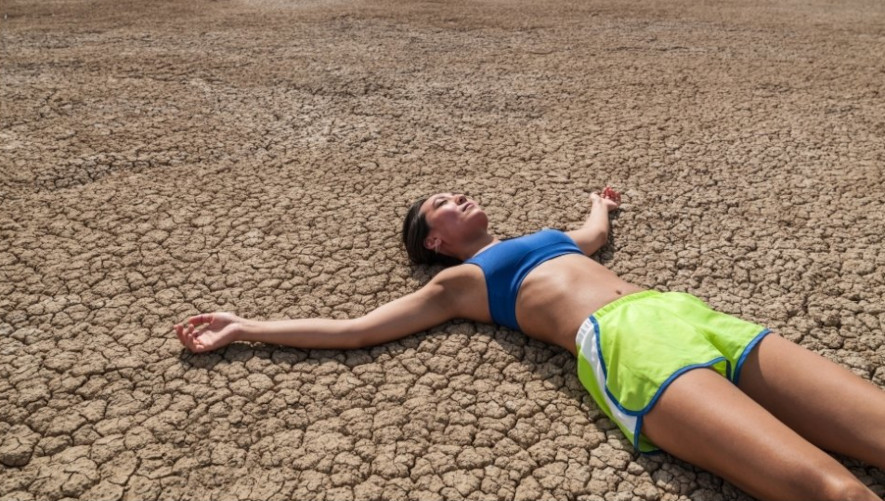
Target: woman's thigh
point(706, 420)
point(825, 403)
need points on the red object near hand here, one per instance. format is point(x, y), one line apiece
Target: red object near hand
point(611, 194)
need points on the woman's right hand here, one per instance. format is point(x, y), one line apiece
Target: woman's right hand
point(209, 331)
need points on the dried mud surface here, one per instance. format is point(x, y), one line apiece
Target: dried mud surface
point(158, 159)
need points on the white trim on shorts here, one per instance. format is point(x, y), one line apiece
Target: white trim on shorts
point(588, 348)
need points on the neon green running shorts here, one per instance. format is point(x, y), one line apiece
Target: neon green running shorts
point(633, 348)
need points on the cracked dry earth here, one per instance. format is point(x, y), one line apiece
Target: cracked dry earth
point(159, 159)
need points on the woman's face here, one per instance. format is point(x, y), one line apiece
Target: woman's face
point(451, 217)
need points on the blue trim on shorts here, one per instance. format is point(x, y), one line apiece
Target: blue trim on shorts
point(663, 386)
point(636, 432)
point(599, 350)
point(678, 373)
point(749, 348)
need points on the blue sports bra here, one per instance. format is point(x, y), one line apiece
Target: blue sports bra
point(506, 264)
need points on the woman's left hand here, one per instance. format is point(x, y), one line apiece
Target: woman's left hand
point(610, 199)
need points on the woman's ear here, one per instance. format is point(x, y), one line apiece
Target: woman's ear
point(432, 243)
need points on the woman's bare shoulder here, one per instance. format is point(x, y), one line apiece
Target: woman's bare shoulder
point(466, 275)
point(465, 288)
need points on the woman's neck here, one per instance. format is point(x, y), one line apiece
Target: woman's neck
point(476, 246)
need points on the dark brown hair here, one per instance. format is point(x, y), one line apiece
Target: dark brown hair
point(415, 231)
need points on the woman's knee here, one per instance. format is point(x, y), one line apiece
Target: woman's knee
point(839, 485)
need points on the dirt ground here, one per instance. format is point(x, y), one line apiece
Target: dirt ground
point(159, 159)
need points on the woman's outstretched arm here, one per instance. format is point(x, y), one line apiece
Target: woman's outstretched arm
point(594, 233)
point(433, 304)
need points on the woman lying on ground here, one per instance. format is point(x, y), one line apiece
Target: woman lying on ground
point(758, 411)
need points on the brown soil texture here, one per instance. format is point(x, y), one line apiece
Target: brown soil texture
point(159, 159)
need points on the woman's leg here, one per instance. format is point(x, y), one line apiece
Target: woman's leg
point(706, 420)
point(827, 404)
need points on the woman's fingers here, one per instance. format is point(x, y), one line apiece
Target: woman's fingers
point(184, 336)
point(187, 334)
point(193, 333)
point(204, 318)
point(201, 332)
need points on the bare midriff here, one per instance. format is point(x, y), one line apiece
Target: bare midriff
point(558, 296)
